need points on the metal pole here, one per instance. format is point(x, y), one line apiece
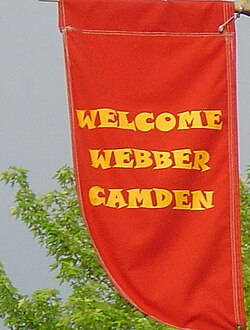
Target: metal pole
point(243, 6)
point(49, 0)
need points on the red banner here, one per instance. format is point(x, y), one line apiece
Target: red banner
point(153, 115)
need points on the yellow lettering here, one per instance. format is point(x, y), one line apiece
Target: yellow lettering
point(213, 118)
point(123, 121)
point(202, 200)
point(182, 199)
point(146, 121)
point(152, 198)
point(122, 158)
point(99, 160)
point(142, 158)
point(162, 159)
point(139, 198)
point(165, 122)
point(116, 199)
point(201, 157)
point(190, 119)
point(94, 196)
point(163, 197)
point(142, 121)
point(107, 118)
point(84, 119)
point(182, 158)
point(135, 158)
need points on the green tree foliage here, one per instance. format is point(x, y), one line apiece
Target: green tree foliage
point(54, 219)
point(245, 217)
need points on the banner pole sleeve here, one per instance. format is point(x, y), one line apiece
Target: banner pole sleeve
point(242, 6)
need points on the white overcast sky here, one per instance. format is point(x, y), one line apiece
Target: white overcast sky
point(34, 128)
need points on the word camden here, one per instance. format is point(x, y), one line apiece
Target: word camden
point(154, 198)
point(147, 121)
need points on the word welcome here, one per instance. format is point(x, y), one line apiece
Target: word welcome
point(147, 121)
point(154, 198)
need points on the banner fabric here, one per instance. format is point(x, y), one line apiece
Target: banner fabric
point(154, 132)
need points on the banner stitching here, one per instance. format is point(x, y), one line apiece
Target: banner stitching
point(231, 135)
point(143, 33)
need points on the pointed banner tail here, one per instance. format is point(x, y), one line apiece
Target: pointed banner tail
point(153, 116)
